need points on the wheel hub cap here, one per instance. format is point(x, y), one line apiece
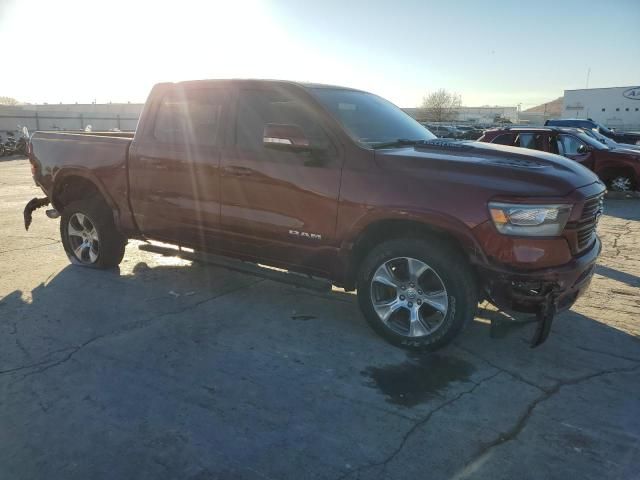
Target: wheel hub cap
point(622, 184)
point(409, 297)
point(83, 238)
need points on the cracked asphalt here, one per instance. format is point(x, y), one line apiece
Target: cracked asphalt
point(169, 369)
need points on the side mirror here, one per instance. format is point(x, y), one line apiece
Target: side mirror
point(582, 149)
point(285, 137)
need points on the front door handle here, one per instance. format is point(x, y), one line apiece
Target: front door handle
point(156, 162)
point(237, 171)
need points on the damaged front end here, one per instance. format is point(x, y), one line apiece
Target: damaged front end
point(543, 293)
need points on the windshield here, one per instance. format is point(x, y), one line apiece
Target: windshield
point(602, 128)
point(369, 119)
point(595, 143)
point(601, 138)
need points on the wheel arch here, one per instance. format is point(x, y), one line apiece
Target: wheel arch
point(76, 184)
point(609, 172)
point(448, 230)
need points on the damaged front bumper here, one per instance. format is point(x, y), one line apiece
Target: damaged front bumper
point(33, 205)
point(542, 292)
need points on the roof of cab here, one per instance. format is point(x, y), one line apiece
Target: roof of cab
point(254, 81)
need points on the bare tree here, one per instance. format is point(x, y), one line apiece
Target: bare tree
point(440, 106)
point(8, 101)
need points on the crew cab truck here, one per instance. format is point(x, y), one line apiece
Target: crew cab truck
point(336, 183)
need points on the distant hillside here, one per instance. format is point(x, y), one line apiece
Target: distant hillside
point(550, 109)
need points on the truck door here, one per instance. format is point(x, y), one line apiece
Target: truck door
point(174, 166)
point(572, 147)
point(280, 204)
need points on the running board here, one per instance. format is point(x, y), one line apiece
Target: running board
point(281, 276)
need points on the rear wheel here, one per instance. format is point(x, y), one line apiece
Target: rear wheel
point(417, 294)
point(89, 235)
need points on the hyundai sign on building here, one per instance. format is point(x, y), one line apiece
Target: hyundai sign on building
point(615, 107)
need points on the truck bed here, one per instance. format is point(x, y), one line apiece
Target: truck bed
point(100, 157)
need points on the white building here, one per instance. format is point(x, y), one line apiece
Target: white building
point(476, 115)
point(615, 107)
point(70, 116)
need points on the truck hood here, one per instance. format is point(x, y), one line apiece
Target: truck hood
point(626, 151)
point(506, 170)
point(625, 137)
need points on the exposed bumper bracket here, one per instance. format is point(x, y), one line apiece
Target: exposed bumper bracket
point(545, 319)
point(33, 204)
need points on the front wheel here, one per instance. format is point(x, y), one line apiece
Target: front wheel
point(418, 294)
point(89, 235)
point(622, 183)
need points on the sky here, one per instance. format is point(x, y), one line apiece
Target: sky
point(490, 52)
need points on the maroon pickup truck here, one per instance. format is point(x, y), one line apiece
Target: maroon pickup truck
point(336, 183)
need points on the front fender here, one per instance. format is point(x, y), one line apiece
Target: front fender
point(436, 222)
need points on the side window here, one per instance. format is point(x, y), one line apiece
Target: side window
point(256, 108)
point(529, 140)
point(189, 117)
point(568, 144)
point(504, 139)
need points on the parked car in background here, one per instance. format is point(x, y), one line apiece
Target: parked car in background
point(620, 137)
point(608, 141)
point(619, 168)
point(468, 132)
point(444, 131)
point(336, 183)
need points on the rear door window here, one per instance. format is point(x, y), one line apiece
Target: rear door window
point(189, 117)
point(504, 139)
point(529, 140)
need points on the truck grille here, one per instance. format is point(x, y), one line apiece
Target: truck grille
point(586, 227)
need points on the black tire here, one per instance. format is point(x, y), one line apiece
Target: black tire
point(111, 242)
point(452, 271)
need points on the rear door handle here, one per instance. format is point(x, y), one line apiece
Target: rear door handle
point(238, 171)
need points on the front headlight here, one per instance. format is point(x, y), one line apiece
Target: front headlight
point(529, 220)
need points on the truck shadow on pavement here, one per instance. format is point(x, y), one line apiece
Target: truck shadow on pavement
point(124, 350)
point(79, 304)
point(612, 273)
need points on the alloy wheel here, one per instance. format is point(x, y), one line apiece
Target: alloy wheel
point(83, 238)
point(621, 184)
point(409, 297)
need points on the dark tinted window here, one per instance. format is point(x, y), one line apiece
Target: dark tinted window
point(568, 144)
point(189, 117)
point(529, 140)
point(256, 108)
point(369, 119)
point(504, 139)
